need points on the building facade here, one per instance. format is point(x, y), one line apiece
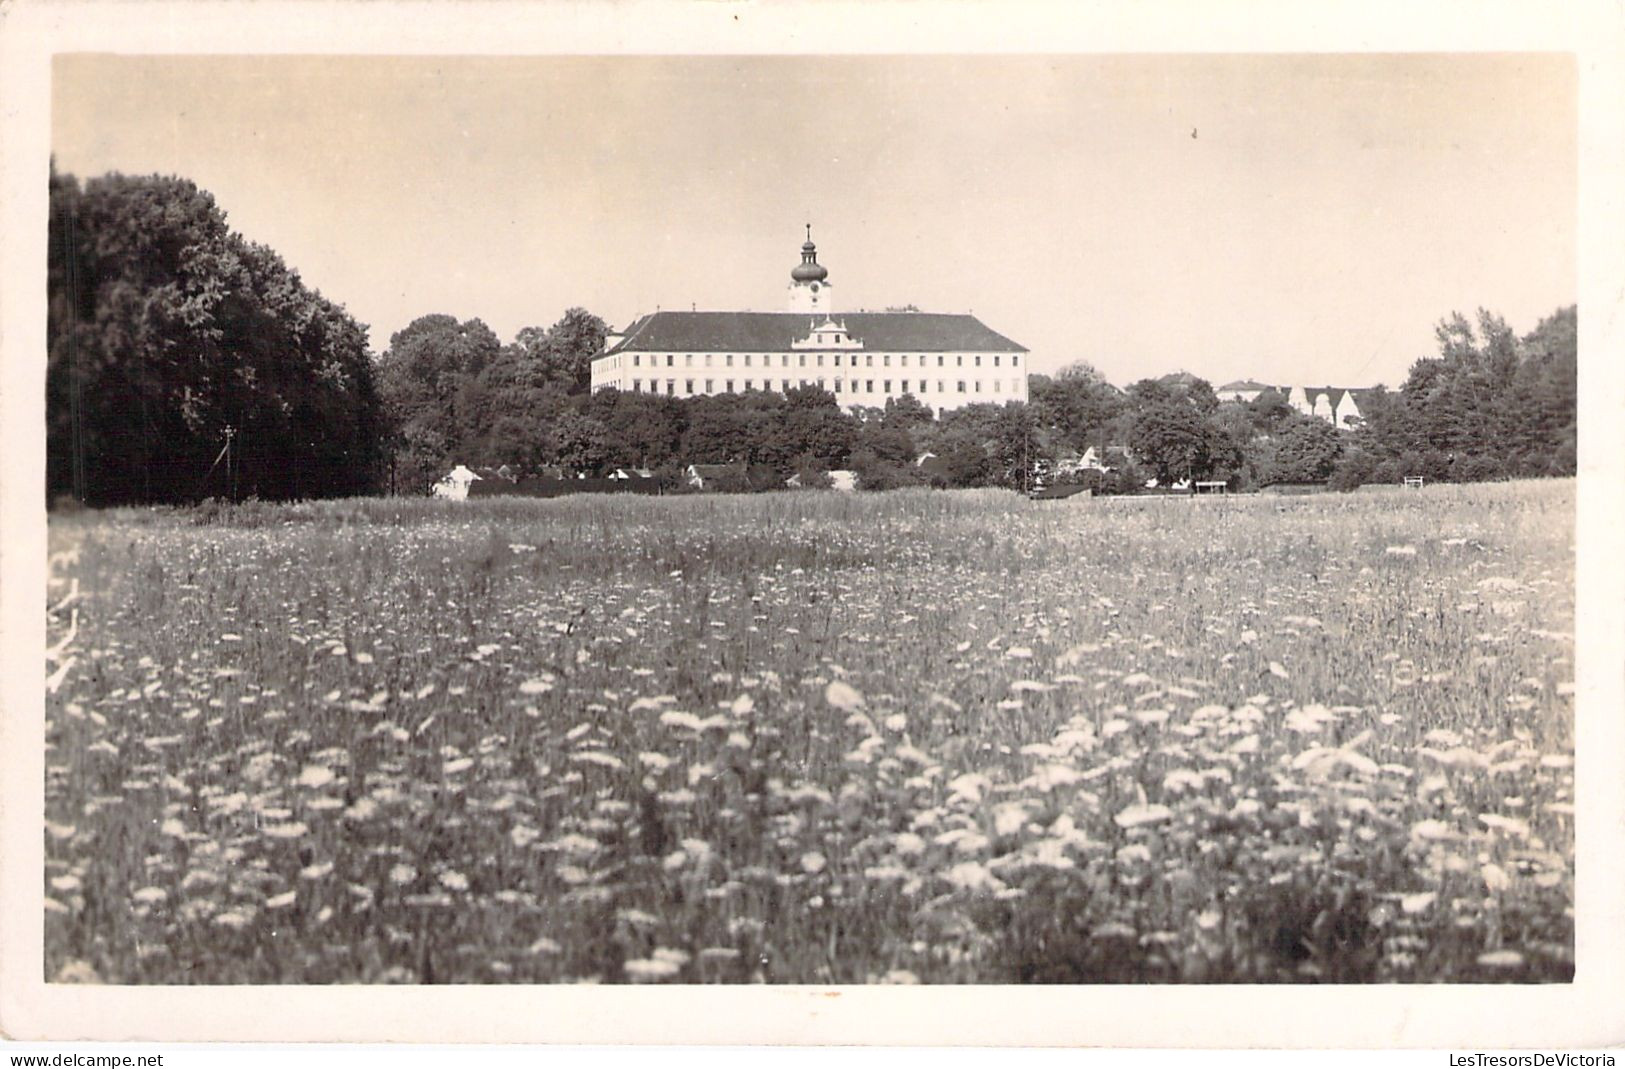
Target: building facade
point(943, 360)
point(1336, 405)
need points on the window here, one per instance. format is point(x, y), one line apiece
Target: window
point(784, 385)
point(669, 359)
point(709, 385)
point(728, 361)
point(922, 385)
point(671, 387)
point(1015, 361)
point(939, 361)
point(998, 387)
point(707, 359)
point(820, 382)
point(747, 364)
point(820, 359)
point(635, 359)
point(961, 385)
point(784, 361)
point(747, 382)
point(886, 360)
point(995, 361)
point(905, 360)
point(959, 361)
point(688, 385)
point(688, 359)
point(837, 385)
point(978, 385)
point(904, 385)
point(730, 385)
point(978, 361)
point(801, 359)
point(869, 386)
point(637, 385)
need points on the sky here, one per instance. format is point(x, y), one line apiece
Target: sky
point(1290, 218)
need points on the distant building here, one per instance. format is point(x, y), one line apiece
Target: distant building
point(943, 360)
point(454, 484)
point(1337, 405)
point(709, 476)
point(1244, 391)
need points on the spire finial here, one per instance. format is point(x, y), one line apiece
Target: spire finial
point(809, 231)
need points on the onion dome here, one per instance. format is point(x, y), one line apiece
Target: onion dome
point(809, 269)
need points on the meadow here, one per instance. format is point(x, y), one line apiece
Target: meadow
point(815, 738)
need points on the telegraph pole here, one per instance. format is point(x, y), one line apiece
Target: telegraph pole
point(231, 472)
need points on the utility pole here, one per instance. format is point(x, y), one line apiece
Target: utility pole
point(1026, 463)
point(231, 473)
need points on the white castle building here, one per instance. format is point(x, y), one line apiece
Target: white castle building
point(863, 358)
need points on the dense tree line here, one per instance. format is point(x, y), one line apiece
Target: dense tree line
point(1491, 405)
point(165, 329)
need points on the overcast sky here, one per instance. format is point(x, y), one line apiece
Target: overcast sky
point(1298, 219)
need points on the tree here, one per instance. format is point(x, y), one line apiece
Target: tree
point(1018, 448)
point(1269, 411)
point(1306, 451)
point(166, 329)
point(1079, 407)
point(892, 445)
point(964, 462)
point(1544, 432)
point(566, 349)
point(811, 425)
point(1174, 429)
point(508, 411)
point(1489, 405)
point(1173, 439)
point(906, 412)
point(642, 429)
point(1082, 371)
point(716, 430)
point(429, 378)
point(582, 446)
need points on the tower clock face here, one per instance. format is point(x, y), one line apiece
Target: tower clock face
point(815, 287)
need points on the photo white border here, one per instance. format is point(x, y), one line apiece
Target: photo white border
point(1590, 1012)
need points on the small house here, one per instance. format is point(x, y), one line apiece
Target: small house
point(454, 485)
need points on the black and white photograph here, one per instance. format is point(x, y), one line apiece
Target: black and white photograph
point(623, 518)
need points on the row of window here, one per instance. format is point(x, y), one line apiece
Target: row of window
point(801, 359)
point(852, 386)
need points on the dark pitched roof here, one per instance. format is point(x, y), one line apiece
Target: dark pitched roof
point(755, 332)
point(711, 471)
point(1245, 384)
point(1312, 394)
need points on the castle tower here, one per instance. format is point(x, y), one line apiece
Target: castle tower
point(809, 282)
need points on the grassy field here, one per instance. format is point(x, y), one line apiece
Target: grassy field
point(816, 738)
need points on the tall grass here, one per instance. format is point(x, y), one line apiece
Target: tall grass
point(814, 737)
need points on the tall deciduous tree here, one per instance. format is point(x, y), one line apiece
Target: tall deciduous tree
point(166, 330)
point(1306, 450)
point(1489, 405)
point(1173, 431)
point(566, 349)
point(430, 381)
point(1078, 405)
